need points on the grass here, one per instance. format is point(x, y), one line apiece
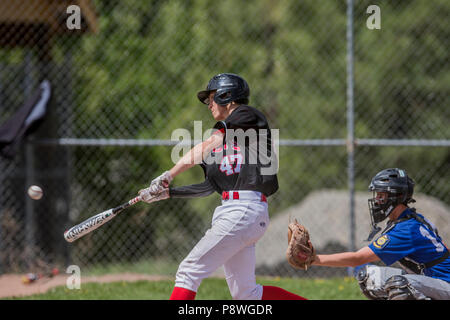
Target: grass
point(153, 266)
point(210, 289)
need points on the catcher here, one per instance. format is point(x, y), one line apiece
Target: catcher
point(408, 238)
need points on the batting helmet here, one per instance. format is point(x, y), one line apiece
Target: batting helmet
point(228, 86)
point(399, 188)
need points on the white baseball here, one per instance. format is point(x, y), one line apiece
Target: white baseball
point(35, 192)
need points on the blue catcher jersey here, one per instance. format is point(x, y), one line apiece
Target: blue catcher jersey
point(413, 240)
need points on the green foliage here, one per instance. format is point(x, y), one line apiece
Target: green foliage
point(399, 72)
point(138, 78)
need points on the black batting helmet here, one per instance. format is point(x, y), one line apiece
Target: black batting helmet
point(229, 87)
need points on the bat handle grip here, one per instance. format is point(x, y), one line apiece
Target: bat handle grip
point(127, 204)
point(135, 200)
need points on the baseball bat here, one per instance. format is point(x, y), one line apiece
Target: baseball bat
point(96, 221)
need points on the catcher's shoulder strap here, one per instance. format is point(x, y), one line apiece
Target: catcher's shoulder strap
point(411, 215)
point(410, 264)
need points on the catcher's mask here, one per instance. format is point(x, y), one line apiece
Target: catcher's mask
point(390, 187)
point(229, 87)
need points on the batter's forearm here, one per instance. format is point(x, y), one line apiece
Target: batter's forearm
point(192, 191)
point(196, 154)
point(186, 162)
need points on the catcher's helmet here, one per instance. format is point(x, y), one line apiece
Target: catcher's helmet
point(399, 188)
point(229, 87)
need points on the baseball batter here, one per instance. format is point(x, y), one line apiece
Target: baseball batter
point(408, 238)
point(234, 164)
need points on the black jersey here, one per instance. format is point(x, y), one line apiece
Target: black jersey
point(246, 160)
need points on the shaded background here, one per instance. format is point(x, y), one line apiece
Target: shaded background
point(348, 102)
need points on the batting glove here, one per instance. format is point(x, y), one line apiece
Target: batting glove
point(146, 196)
point(160, 183)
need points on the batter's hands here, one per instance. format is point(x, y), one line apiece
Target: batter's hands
point(160, 183)
point(158, 189)
point(146, 196)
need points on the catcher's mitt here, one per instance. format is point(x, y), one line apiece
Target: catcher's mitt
point(300, 252)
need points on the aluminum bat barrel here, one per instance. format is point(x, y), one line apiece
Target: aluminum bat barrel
point(88, 225)
point(96, 221)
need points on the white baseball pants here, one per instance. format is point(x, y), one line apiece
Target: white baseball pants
point(236, 227)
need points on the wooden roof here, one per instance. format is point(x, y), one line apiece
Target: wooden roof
point(23, 21)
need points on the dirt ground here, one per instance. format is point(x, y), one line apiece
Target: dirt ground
point(11, 285)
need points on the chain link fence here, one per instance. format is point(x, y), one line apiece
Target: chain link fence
point(352, 90)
